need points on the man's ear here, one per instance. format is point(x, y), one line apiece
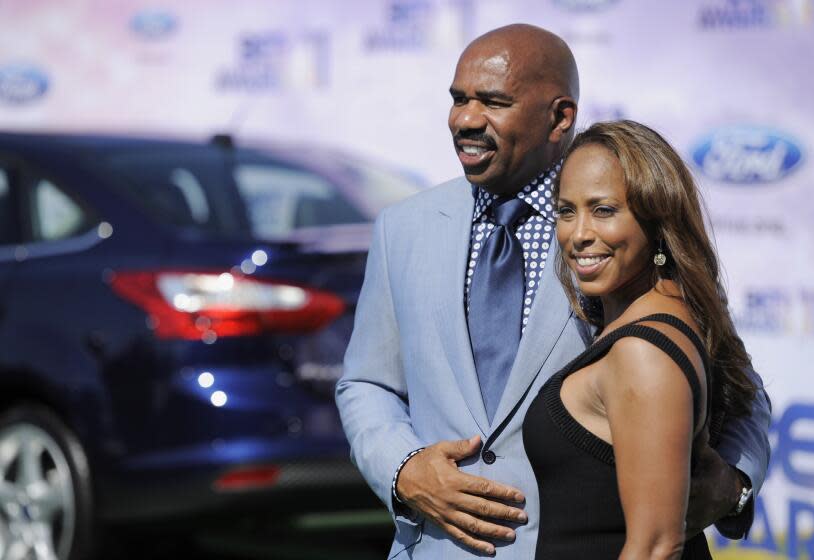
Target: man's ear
point(564, 110)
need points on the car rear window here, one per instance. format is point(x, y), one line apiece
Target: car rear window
point(378, 186)
point(182, 187)
point(220, 192)
point(280, 200)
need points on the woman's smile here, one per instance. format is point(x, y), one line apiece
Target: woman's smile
point(589, 266)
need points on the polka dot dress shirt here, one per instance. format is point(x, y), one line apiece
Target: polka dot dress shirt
point(535, 232)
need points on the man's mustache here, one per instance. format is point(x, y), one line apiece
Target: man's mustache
point(479, 137)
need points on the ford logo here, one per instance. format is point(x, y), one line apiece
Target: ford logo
point(154, 24)
point(747, 154)
point(21, 83)
point(584, 5)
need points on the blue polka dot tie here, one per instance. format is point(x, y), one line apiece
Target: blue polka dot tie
point(496, 302)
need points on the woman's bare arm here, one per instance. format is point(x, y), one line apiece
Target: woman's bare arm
point(650, 411)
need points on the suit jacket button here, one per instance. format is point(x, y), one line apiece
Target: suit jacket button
point(489, 457)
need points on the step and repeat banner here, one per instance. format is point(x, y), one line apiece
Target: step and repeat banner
point(728, 82)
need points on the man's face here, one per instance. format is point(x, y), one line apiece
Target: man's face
point(499, 120)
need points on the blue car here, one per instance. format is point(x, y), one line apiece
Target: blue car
point(172, 322)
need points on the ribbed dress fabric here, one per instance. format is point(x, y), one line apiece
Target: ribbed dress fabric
point(581, 513)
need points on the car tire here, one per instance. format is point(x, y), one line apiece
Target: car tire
point(45, 487)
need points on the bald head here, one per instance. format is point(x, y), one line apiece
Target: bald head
point(514, 105)
point(534, 54)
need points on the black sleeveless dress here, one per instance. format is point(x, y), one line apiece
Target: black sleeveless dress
point(580, 510)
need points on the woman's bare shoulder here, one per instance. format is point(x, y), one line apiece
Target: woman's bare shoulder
point(636, 371)
point(644, 366)
point(637, 361)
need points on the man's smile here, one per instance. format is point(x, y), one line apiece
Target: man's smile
point(473, 154)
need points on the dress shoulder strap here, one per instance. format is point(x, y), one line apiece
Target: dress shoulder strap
point(685, 329)
point(674, 321)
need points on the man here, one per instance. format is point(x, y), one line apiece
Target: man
point(443, 349)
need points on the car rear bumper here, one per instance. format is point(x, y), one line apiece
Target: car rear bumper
point(307, 485)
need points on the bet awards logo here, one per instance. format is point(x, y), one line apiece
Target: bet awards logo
point(748, 14)
point(419, 25)
point(276, 60)
point(747, 154)
point(584, 5)
point(154, 24)
point(22, 83)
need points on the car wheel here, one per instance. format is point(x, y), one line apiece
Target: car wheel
point(45, 497)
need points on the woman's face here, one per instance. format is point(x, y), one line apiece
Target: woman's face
point(600, 237)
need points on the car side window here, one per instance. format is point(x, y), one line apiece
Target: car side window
point(282, 199)
point(54, 214)
point(8, 221)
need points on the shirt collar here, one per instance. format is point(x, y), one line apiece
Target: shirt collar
point(537, 194)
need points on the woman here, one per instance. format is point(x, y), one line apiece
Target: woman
point(610, 436)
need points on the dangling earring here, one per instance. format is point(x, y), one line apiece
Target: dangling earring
point(660, 259)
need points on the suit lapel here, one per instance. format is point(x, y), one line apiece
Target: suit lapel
point(547, 319)
point(455, 231)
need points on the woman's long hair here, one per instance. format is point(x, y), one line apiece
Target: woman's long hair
point(664, 198)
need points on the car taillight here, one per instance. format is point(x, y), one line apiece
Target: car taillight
point(247, 478)
point(206, 305)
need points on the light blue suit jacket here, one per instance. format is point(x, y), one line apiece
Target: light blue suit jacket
point(409, 379)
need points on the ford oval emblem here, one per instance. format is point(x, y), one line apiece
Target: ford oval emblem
point(747, 154)
point(154, 24)
point(21, 83)
point(584, 5)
